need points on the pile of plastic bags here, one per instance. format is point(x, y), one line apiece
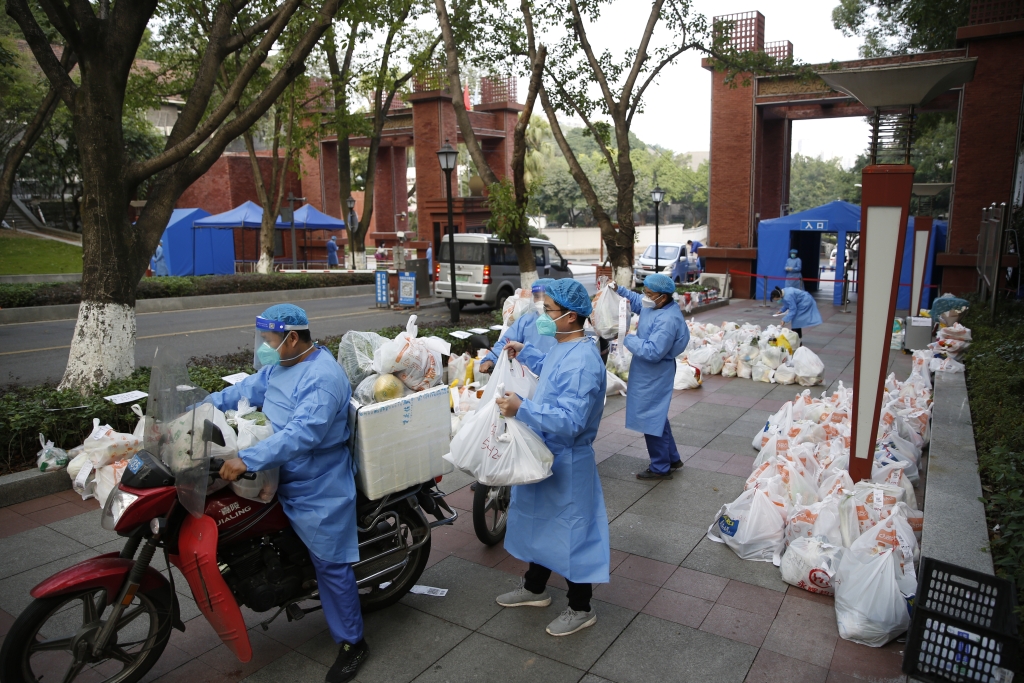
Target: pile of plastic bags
point(801, 509)
point(520, 303)
point(772, 355)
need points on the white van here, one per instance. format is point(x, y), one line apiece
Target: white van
point(487, 270)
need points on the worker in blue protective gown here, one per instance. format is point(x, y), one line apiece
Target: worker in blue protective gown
point(560, 524)
point(159, 261)
point(661, 335)
point(799, 308)
point(794, 270)
point(523, 330)
point(332, 252)
point(304, 393)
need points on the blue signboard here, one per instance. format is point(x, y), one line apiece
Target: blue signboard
point(407, 288)
point(813, 225)
point(381, 282)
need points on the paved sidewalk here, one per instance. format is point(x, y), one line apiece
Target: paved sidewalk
point(678, 607)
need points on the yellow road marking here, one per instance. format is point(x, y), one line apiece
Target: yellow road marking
point(188, 332)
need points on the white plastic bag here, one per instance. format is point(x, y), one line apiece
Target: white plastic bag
point(104, 445)
point(499, 451)
point(810, 563)
point(614, 385)
point(515, 306)
point(729, 367)
point(785, 374)
point(772, 357)
point(619, 358)
point(762, 373)
point(865, 507)
point(355, 354)
point(264, 486)
point(509, 373)
point(50, 457)
point(460, 369)
point(687, 376)
point(107, 479)
point(703, 358)
point(414, 360)
point(742, 369)
point(605, 316)
point(753, 525)
point(817, 519)
point(809, 368)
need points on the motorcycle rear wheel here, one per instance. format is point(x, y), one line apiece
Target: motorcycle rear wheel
point(387, 592)
point(42, 642)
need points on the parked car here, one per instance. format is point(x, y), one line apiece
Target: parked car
point(487, 270)
point(668, 254)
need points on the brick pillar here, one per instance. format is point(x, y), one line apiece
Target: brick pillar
point(310, 178)
point(989, 115)
point(499, 152)
point(771, 189)
point(332, 205)
point(433, 119)
point(389, 190)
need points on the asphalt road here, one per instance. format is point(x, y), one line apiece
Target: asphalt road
point(31, 353)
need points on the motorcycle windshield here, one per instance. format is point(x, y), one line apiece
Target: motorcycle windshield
point(176, 414)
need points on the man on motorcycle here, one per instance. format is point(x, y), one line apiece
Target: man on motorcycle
point(305, 395)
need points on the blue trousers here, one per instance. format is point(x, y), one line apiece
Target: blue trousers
point(340, 597)
point(662, 450)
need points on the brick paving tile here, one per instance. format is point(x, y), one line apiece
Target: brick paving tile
point(737, 624)
point(56, 513)
point(678, 608)
point(634, 452)
point(196, 672)
point(264, 651)
point(5, 623)
point(435, 557)
point(751, 598)
point(488, 556)
point(712, 454)
point(36, 504)
point(704, 463)
point(646, 570)
point(462, 499)
point(813, 597)
point(697, 584)
point(771, 667)
point(625, 592)
point(449, 540)
point(868, 663)
point(15, 524)
point(512, 566)
point(769, 404)
point(804, 630)
point(617, 558)
point(731, 400)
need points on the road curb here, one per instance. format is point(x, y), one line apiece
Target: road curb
point(21, 486)
point(32, 279)
point(35, 314)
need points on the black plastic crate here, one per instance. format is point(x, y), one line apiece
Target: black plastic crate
point(964, 627)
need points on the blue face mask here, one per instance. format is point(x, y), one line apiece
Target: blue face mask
point(546, 324)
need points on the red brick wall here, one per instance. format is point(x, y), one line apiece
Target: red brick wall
point(773, 153)
point(433, 121)
point(987, 145)
point(229, 182)
point(732, 129)
point(390, 196)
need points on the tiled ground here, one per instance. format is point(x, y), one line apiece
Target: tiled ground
point(678, 608)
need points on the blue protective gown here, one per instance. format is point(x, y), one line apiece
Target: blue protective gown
point(800, 308)
point(794, 273)
point(332, 253)
point(159, 262)
point(561, 522)
point(660, 336)
point(523, 330)
point(307, 404)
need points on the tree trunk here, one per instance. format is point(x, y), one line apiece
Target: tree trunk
point(527, 274)
point(357, 238)
point(621, 252)
point(339, 81)
point(103, 344)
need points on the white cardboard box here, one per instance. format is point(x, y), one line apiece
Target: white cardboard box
point(399, 443)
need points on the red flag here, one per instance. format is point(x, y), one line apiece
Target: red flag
point(465, 98)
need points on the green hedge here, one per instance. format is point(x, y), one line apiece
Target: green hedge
point(65, 417)
point(53, 293)
point(995, 385)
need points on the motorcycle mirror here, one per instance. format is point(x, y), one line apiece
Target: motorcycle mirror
point(212, 433)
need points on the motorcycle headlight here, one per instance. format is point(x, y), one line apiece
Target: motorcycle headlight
point(117, 503)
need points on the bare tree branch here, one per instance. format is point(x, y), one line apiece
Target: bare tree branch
point(638, 97)
point(595, 66)
point(40, 46)
point(597, 134)
point(641, 54)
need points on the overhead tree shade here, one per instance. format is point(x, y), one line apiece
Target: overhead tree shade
point(839, 217)
point(213, 250)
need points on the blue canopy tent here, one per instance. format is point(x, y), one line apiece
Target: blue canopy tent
point(774, 238)
point(246, 215)
point(309, 218)
point(196, 252)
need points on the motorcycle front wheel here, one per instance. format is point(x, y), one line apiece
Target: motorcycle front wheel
point(52, 639)
point(490, 512)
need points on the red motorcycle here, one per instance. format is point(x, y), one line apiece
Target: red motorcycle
point(110, 617)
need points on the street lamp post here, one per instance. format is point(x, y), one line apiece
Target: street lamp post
point(448, 157)
point(353, 220)
point(657, 196)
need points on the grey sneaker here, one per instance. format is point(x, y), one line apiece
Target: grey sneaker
point(521, 597)
point(570, 621)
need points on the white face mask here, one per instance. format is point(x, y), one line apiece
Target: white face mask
point(647, 302)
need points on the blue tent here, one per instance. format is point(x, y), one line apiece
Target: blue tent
point(774, 240)
point(309, 218)
point(213, 251)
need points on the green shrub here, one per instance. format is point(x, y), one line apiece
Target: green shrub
point(995, 384)
point(53, 293)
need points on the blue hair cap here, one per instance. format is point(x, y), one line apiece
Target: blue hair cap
point(662, 284)
point(289, 314)
point(570, 295)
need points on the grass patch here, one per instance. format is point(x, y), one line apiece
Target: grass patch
point(55, 293)
point(65, 417)
point(24, 255)
point(995, 385)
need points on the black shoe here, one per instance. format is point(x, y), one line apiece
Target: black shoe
point(647, 474)
point(350, 657)
point(676, 465)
